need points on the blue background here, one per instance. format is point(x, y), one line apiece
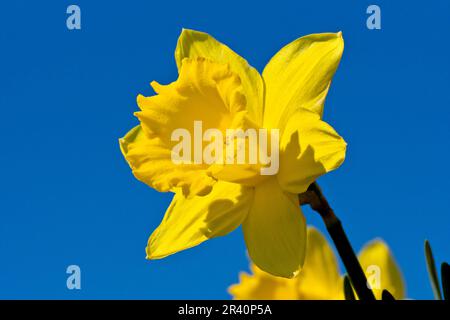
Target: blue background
point(68, 197)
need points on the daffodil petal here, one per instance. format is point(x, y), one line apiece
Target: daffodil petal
point(190, 221)
point(379, 264)
point(134, 135)
point(299, 76)
point(320, 278)
point(238, 168)
point(192, 44)
point(205, 91)
point(206, 94)
point(309, 148)
point(275, 230)
point(151, 162)
point(248, 175)
point(263, 286)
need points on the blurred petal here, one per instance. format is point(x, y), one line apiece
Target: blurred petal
point(189, 222)
point(377, 260)
point(275, 230)
point(263, 286)
point(193, 44)
point(299, 76)
point(309, 148)
point(319, 278)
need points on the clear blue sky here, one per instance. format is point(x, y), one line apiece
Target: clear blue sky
point(68, 197)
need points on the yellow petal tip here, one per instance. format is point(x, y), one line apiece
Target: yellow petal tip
point(122, 146)
point(148, 255)
point(139, 98)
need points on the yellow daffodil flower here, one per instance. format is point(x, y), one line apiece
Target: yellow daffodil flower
point(320, 278)
point(219, 88)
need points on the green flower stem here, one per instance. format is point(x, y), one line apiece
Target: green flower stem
point(315, 198)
